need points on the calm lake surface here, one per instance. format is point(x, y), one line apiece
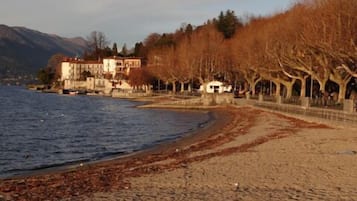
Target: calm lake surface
point(39, 130)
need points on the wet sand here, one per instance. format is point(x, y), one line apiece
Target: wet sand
point(246, 154)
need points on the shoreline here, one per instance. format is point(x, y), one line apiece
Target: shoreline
point(9, 185)
point(150, 149)
point(267, 156)
point(232, 144)
point(140, 101)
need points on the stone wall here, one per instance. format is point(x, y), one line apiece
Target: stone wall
point(74, 84)
point(217, 99)
point(125, 94)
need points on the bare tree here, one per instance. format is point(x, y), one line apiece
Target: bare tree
point(97, 42)
point(314, 39)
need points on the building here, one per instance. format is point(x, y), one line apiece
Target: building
point(216, 87)
point(119, 67)
point(73, 69)
point(109, 74)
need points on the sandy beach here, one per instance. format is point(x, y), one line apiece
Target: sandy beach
point(247, 154)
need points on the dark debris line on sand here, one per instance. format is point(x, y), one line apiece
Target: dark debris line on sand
point(114, 175)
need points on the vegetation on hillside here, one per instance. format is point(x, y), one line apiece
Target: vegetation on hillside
point(24, 51)
point(52, 72)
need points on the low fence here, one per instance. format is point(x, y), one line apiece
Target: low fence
point(184, 102)
point(120, 93)
point(205, 99)
point(344, 113)
point(335, 115)
point(177, 94)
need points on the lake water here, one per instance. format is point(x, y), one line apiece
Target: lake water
point(39, 130)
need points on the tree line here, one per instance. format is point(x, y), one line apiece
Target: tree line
point(312, 42)
point(99, 48)
point(309, 49)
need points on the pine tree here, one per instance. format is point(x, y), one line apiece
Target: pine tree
point(227, 23)
point(124, 50)
point(139, 49)
point(115, 49)
point(189, 29)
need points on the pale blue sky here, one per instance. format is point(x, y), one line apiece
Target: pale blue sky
point(126, 21)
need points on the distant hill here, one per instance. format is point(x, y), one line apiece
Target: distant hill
point(25, 51)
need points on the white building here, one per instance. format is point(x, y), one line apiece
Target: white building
point(65, 70)
point(72, 69)
point(117, 66)
point(216, 87)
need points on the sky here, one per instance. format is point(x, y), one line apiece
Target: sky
point(125, 21)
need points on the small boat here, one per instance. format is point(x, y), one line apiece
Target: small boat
point(81, 92)
point(73, 93)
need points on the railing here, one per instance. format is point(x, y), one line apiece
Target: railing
point(254, 97)
point(269, 98)
point(329, 110)
point(326, 103)
point(315, 102)
point(295, 100)
point(328, 114)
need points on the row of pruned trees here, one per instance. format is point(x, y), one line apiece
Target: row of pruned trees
point(314, 40)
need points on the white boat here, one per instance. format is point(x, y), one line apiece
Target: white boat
point(73, 93)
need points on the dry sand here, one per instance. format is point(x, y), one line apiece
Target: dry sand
point(249, 154)
point(276, 158)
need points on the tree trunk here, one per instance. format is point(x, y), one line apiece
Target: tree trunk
point(277, 88)
point(323, 86)
point(182, 87)
point(342, 91)
point(289, 90)
point(174, 87)
point(342, 83)
point(252, 86)
point(166, 86)
point(252, 81)
point(289, 87)
point(303, 88)
point(322, 83)
point(204, 88)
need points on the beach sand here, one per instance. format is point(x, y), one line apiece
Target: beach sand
point(247, 154)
